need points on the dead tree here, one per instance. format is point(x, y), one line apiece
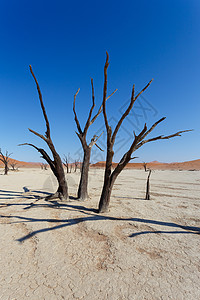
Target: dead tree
point(43, 166)
point(147, 197)
point(13, 165)
point(138, 141)
point(5, 160)
point(66, 162)
point(76, 163)
point(145, 166)
point(80, 166)
point(87, 147)
point(55, 164)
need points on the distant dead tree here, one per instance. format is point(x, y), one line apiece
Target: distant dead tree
point(13, 165)
point(80, 165)
point(66, 160)
point(5, 160)
point(145, 166)
point(87, 147)
point(43, 166)
point(147, 197)
point(138, 141)
point(55, 164)
point(76, 163)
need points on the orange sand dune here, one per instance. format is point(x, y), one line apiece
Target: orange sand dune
point(155, 165)
point(21, 164)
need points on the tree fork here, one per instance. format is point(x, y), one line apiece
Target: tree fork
point(82, 134)
point(5, 160)
point(138, 141)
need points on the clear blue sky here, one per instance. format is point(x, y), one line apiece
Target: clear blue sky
point(65, 42)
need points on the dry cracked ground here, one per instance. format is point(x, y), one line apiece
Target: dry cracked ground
point(138, 250)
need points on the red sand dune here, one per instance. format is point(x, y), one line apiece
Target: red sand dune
point(155, 165)
point(24, 164)
point(21, 164)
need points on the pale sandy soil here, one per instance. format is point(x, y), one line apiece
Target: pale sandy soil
point(138, 250)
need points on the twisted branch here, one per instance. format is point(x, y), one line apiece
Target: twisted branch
point(44, 155)
point(75, 115)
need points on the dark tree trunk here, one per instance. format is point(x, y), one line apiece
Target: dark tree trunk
point(6, 169)
point(75, 165)
point(83, 185)
point(145, 166)
point(62, 191)
point(108, 183)
point(57, 169)
point(148, 187)
point(105, 195)
point(82, 190)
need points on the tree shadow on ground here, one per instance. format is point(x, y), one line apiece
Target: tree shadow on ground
point(9, 194)
point(27, 194)
point(90, 214)
point(33, 195)
point(61, 223)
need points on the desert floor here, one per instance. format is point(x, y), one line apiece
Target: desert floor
point(138, 250)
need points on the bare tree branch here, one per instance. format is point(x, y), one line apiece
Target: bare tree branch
point(43, 153)
point(112, 94)
point(94, 140)
point(99, 147)
point(38, 134)
point(88, 123)
point(161, 137)
point(5, 158)
point(125, 114)
point(75, 115)
point(108, 128)
point(153, 126)
point(133, 157)
point(143, 89)
point(47, 133)
point(101, 107)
